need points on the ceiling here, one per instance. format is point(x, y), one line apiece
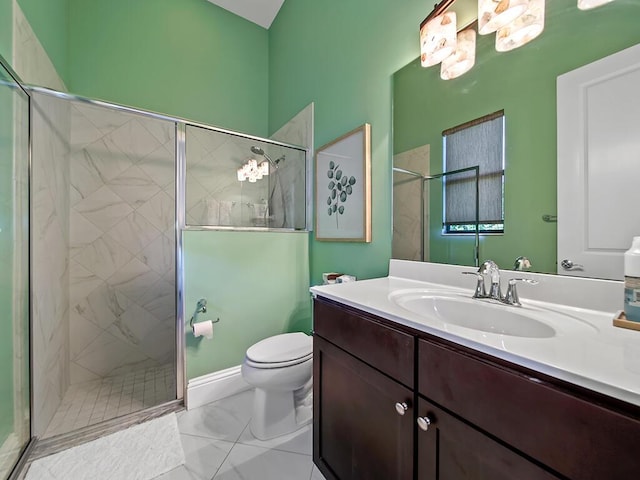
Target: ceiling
point(261, 12)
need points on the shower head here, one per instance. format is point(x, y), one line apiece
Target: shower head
point(259, 151)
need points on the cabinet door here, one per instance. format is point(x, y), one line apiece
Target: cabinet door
point(358, 434)
point(452, 450)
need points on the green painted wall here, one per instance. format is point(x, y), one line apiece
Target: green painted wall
point(523, 83)
point(187, 58)
point(6, 259)
point(6, 29)
point(342, 55)
point(49, 20)
point(257, 284)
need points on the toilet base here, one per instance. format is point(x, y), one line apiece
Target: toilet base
point(276, 413)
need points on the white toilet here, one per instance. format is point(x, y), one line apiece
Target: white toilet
point(280, 369)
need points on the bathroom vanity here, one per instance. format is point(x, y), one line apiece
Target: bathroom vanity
point(400, 396)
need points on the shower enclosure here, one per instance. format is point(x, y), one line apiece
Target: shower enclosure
point(94, 292)
point(413, 212)
point(14, 274)
point(94, 200)
point(105, 336)
point(237, 182)
point(113, 188)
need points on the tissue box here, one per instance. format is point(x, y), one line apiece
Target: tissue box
point(330, 277)
point(333, 277)
point(345, 279)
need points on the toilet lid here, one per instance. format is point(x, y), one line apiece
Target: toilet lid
point(281, 348)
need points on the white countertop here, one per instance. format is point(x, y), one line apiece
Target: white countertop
point(600, 357)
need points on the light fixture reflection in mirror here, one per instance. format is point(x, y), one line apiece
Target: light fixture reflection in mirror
point(523, 29)
point(463, 58)
point(252, 171)
point(495, 14)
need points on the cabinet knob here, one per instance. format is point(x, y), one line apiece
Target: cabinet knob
point(424, 423)
point(401, 408)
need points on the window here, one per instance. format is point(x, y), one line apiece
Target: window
point(479, 142)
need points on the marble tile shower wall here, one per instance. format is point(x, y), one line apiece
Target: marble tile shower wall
point(49, 253)
point(214, 196)
point(122, 243)
point(407, 206)
point(30, 60)
point(299, 131)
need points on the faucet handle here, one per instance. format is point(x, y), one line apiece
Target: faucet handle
point(511, 297)
point(488, 266)
point(530, 281)
point(522, 263)
point(480, 290)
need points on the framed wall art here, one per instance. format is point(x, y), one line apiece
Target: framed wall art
point(343, 188)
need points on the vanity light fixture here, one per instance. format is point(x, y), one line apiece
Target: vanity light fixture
point(516, 22)
point(463, 58)
point(589, 4)
point(253, 171)
point(523, 29)
point(437, 37)
point(495, 14)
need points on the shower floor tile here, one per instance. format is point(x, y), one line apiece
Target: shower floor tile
point(92, 402)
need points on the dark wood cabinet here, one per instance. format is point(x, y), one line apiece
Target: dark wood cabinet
point(565, 430)
point(358, 434)
point(452, 450)
point(489, 419)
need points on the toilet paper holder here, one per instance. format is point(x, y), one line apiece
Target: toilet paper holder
point(201, 307)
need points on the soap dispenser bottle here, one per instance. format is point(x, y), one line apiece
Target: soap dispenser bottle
point(632, 281)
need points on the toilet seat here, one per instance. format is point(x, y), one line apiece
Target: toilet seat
point(280, 351)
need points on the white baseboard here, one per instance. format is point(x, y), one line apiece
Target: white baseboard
point(214, 386)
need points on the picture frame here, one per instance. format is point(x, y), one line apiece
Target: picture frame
point(343, 188)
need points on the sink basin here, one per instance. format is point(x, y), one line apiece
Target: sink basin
point(476, 314)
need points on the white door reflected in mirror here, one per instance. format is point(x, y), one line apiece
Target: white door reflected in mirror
point(598, 175)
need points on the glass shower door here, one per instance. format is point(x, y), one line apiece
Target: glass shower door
point(14, 272)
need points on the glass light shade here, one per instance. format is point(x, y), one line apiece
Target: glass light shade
point(241, 176)
point(252, 179)
point(263, 168)
point(438, 39)
point(589, 4)
point(523, 29)
point(463, 58)
point(495, 14)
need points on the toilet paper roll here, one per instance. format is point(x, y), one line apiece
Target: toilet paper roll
point(205, 329)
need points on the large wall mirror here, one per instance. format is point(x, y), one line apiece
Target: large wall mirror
point(522, 83)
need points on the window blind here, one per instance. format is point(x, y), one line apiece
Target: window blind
point(480, 142)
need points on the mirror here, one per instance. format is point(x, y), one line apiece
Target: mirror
point(522, 82)
point(417, 187)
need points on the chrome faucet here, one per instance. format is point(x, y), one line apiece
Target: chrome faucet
point(490, 269)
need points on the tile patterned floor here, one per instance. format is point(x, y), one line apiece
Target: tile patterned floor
point(92, 402)
point(218, 445)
